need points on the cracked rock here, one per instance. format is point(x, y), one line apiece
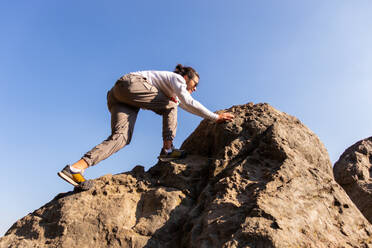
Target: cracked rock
point(263, 180)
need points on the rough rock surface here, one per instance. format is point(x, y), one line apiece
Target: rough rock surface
point(353, 171)
point(263, 180)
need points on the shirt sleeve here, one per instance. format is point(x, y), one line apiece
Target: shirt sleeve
point(188, 103)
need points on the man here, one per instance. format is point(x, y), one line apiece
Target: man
point(159, 91)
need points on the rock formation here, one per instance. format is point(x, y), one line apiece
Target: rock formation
point(263, 180)
point(353, 171)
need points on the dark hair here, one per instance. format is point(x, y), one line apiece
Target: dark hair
point(186, 70)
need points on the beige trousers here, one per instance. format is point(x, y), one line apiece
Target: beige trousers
point(131, 93)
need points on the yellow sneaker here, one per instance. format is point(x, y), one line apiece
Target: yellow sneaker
point(174, 154)
point(71, 177)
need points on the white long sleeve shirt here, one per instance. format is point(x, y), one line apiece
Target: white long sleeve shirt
point(174, 86)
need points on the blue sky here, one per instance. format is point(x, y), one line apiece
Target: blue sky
point(310, 59)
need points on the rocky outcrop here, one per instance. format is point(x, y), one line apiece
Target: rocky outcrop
point(263, 180)
point(353, 171)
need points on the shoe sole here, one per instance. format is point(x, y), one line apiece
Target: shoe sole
point(167, 159)
point(67, 179)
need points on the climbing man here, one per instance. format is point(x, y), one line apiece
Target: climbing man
point(159, 91)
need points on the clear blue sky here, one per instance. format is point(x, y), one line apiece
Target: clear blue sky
point(311, 59)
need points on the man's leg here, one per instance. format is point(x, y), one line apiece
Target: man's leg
point(123, 118)
point(169, 126)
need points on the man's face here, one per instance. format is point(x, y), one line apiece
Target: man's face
point(191, 83)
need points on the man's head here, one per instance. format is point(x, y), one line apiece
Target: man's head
point(190, 75)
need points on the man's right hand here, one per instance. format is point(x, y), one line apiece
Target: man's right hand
point(225, 117)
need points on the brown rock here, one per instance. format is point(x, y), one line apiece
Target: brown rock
point(263, 180)
point(271, 186)
point(353, 172)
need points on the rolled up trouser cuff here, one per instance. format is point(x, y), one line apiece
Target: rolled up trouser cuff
point(170, 138)
point(88, 161)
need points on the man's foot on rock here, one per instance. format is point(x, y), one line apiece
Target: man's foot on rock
point(174, 154)
point(74, 178)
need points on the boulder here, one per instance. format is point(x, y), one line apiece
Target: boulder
point(263, 180)
point(353, 171)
